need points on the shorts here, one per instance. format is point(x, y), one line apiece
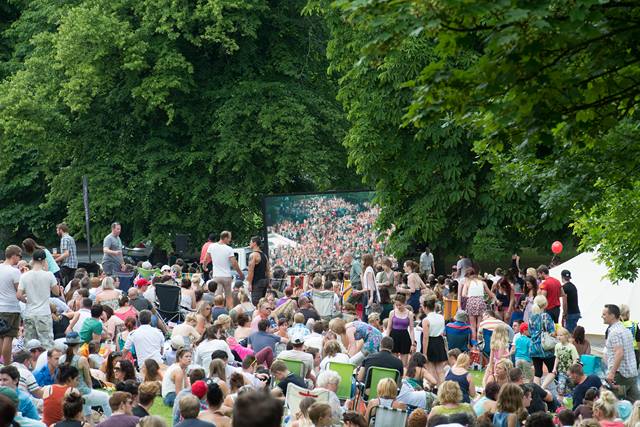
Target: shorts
point(13, 321)
point(224, 285)
point(40, 328)
point(526, 368)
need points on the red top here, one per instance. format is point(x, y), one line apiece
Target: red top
point(203, 252)
point(52, 405)
point(553, 288)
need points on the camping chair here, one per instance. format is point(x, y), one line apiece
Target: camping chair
point(168, 297)
point(295, 366)
point(126, 280)
point(385, 417)
point(323, 303)
point(295, 394)
point(457, 340)
point(376, 374)
point(345, 370)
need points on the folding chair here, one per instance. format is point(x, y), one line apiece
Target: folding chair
point(385, 417)
point(168, 297)
point(295, 394)
point(486, 338)
point(323, 303)
point(457, 340)
point(126, 280)
point(345, 370)
point(377, 374)
point(295, 366)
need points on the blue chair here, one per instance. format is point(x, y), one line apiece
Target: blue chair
point(457, 340)
point(486, 336)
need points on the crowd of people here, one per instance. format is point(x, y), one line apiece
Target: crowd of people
point(78, 351)
point(323, 229)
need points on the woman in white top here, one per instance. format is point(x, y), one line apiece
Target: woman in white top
point(211, 343)
point(175, 378)
point(332, 353)
point(433, 345)
point(188, 328)
point(472, 299)
point(368, 280)
point(188, 295)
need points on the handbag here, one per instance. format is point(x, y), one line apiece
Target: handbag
point(547, 340)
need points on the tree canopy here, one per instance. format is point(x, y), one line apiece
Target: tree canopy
point(549, 88)
point(182, 114)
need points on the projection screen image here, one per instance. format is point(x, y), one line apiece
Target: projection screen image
point(312, 232)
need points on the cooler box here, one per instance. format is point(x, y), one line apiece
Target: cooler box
point(590, 364)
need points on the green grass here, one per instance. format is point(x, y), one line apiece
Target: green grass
point(161, 410)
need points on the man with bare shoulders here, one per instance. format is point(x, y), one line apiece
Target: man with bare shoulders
point(259, 271)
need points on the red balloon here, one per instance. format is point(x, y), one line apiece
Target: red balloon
point(556, 247)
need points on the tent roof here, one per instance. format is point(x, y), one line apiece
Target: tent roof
point(595, 290)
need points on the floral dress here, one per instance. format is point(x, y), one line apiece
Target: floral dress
point(371, 336)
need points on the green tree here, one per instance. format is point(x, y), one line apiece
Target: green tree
point(551, 89)
point(429, 182)
point(182, 115)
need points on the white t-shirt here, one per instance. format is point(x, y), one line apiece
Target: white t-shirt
point(37, 285)
point(9, 276)
point(220, 255)
point(202, 356)
point(148, 342)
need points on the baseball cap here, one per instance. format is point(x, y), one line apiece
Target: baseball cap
point(524, 327)
point(142, 282)
point(566, 274)
point(39, 255)
point(297, 340)
point(199, 389)
point(146, 265)
point(165, 268)
point(33, 344)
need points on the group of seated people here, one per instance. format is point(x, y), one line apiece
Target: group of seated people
point(236, 366)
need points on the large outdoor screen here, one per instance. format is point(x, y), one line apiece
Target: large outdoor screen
point(311, 232)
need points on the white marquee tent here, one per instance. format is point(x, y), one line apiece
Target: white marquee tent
point(595, 290)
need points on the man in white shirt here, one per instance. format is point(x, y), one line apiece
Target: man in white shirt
point(299, 354)
point(426, 262)
point(221, 257)
point(9, 306)
point(147, 340)
point(34, 289)
point(28, 383)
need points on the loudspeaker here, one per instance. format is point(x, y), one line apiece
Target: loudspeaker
point(182, 243)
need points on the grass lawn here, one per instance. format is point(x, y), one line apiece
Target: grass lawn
point(159, 409)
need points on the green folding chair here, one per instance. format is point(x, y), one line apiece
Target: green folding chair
point(345, 370)
point(378, 374)
point(295, 366)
